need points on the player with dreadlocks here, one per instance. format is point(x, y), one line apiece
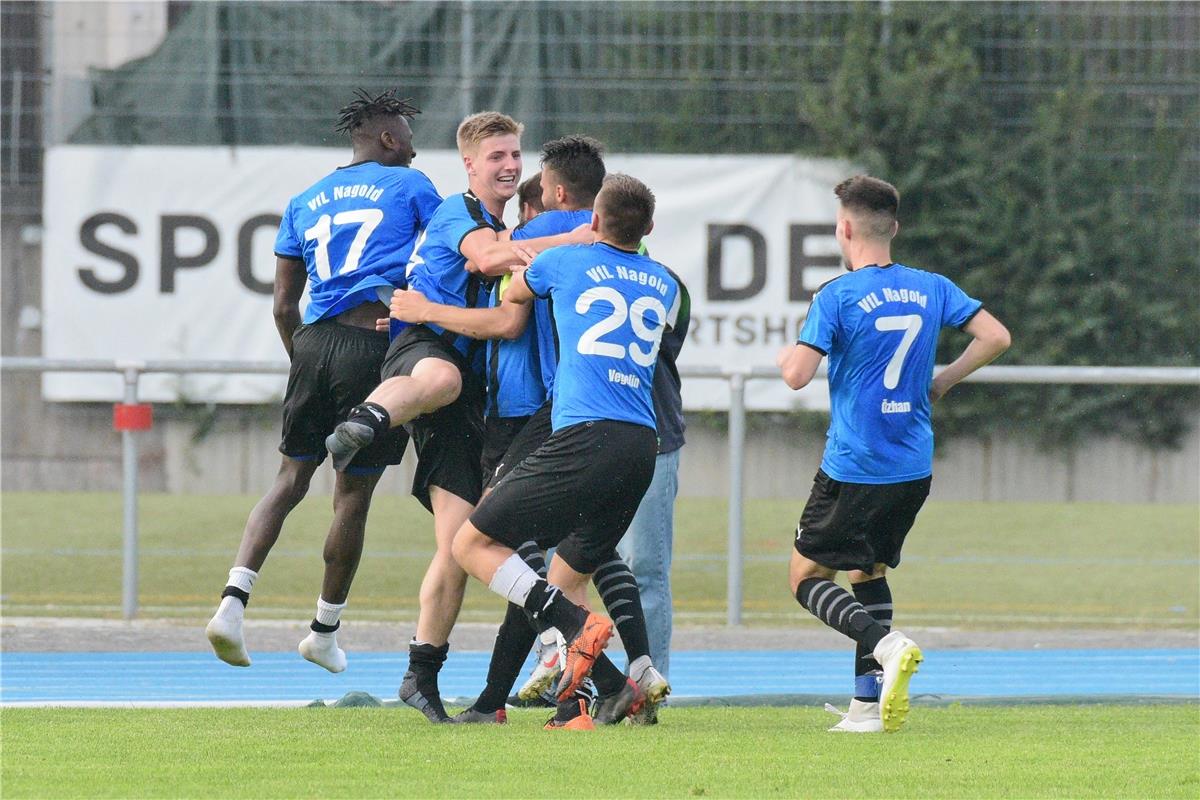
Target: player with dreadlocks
point(349, 237)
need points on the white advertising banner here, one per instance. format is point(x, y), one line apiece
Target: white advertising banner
point(166, 253)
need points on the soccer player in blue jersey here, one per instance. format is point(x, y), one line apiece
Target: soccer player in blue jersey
point(879, 326)
point(349, 237)
point(522, 359)
point(580, 489)
point(432, 379)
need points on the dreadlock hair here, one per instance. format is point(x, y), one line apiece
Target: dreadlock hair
point(578, 162)
point(365, 108)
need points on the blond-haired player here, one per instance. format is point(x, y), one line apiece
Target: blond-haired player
point(432, 378)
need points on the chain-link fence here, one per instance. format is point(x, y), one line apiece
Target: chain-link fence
point(649, 77)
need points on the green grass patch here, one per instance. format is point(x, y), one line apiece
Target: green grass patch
point(966, 564)
point(1039, 751)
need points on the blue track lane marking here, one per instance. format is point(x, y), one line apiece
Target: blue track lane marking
point(278, 677)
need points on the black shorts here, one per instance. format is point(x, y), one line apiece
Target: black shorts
point(527, 440)
point(334, 368)
point(578, 492)
point(449, 441)
point(498, 435)
point(858, 525)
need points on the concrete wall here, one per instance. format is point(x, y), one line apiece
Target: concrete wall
point(71, 447)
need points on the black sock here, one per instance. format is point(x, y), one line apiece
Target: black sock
point(373, 415)
point(876, 597)
point(838, 609)
point(233, 591)
point(420, 685)
point(532, 555)
point(618, 589)
point(606, 676)
point(513, 641)
point(550, 608)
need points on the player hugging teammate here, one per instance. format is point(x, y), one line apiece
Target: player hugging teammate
point(522, 365)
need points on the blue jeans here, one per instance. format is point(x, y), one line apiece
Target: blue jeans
point(646, 547)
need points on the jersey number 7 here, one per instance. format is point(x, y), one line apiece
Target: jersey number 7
point(911, 325)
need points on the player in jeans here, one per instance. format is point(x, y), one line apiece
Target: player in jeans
point(879, 325)
point(580, 489)
point(349, 237)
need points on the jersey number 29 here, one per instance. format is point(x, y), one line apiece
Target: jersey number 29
point(590, 343)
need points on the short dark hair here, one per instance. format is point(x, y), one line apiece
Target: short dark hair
point(531, 192)
point(579, 163)
point(625, 206)
point(365, 108)
point(876, 202)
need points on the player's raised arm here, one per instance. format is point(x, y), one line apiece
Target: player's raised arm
point(505, 321)
point(290, 277)
point(490, 255)
point(991, 339)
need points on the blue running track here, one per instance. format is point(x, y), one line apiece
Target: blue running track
point(275, 678)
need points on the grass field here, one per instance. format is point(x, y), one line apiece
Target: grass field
point(966, 564)
point(1032, 751)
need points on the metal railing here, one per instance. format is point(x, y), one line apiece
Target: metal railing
point(132, 371)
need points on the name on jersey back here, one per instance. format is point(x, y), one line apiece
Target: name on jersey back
point(601, 273)
point(871, 301)
point(368, 191)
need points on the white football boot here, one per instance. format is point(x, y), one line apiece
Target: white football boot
point(861, 717)
point(900, 658)
point(551, 654)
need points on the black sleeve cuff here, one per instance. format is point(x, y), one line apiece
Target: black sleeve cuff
point(813, 347)
point(967, 321)
point(290, 257)
point(458, 246)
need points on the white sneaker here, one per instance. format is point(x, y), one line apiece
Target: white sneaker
point(656, 688)
point(322, 650)
point(224, 633)
point(900, 658)
point(550, 657)
point(861, 717)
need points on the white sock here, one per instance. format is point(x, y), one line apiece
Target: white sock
point(514, 580)
point(231, 608)
point(242, 578)
point(329, 613)
point(639, 666)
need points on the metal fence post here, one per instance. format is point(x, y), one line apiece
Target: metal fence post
point(737, 458)
point(129, 460)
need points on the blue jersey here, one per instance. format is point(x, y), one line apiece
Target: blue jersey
point(437, 266)
point(526, 365)
point(610, 309)
point(354, 229)
point(879, 326)
point(514, 379)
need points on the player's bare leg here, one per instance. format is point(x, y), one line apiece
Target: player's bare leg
point(433, 384)
point(262, 529)
point(441, 599)
point(343, 549)
point(813, 587)
point(506, 574)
